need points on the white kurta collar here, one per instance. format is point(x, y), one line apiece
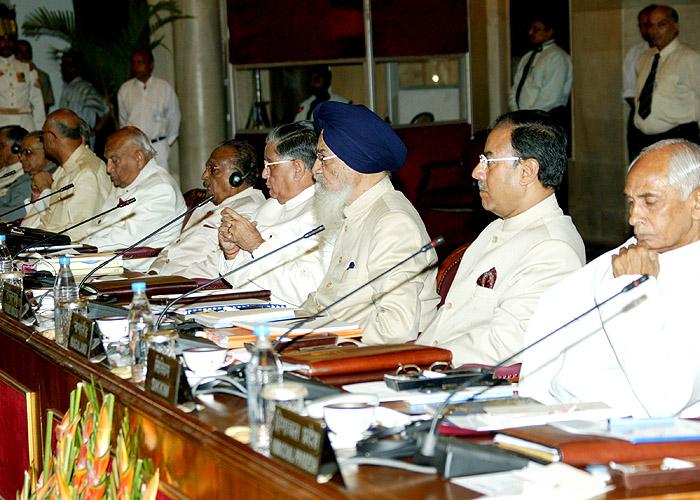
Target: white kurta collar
point(548, 206)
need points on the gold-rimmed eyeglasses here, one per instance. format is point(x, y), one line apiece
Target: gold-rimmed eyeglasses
point(324, 159)
point(268, 164)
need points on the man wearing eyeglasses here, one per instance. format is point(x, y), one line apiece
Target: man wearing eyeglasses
point(378, 228)
point(78, 165)
point(10, 167)
point(229, 175)
point(529, 248)
point(33, 161)
point(290, 152)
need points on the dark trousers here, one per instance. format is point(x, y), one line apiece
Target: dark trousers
point(637, 140)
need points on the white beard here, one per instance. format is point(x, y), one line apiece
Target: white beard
point(329, 205)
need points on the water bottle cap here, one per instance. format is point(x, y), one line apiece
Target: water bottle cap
point(260, 330)
point(3, 237)
point(64, 260)
point(138, 286)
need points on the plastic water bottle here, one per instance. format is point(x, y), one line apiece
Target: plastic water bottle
point(6, 264)
point(141, 320)
point(64, 291)
point(263, 368)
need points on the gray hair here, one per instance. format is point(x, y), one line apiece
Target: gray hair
point(137, 137)
point(683, 165)
point(295, 141)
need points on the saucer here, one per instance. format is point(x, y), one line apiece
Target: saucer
point(194, 378)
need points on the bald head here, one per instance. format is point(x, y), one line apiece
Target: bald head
point(61, 134)
point(663, 193)
point(127, 151)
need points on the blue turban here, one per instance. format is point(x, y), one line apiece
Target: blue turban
point(359, 137)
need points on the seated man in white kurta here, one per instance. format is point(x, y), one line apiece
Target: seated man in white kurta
point(229, 176)
point(517, 257)
point(290, 275)
point(132, 167)
point(638, 352)
point(378, 228)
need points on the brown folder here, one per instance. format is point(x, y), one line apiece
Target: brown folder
point(155, 285)
point(353, 359)
point(578, 449)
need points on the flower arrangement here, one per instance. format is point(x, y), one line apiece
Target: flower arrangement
point(82, 465)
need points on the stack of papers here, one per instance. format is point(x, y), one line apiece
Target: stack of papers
point(415, 397)
point(637, 430)
point(225, 319)
point(522, 415)
point(80, 264)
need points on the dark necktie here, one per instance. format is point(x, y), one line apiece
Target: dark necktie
point(648, 90)
point(526, 70)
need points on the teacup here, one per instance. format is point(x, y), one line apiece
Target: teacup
point(349, 419)
point(205, 359)
point(113, 328)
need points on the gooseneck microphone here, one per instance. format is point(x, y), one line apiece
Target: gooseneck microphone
point(427, 451)
point(64, 188)
point(124, 250)
point(428, 246)
point(232, 271)
point(52, 236)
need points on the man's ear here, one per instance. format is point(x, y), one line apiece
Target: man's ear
point(299, 167)
point(695, 204)
point(529, 171)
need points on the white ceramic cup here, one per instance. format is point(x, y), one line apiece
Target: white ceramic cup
point(113, 328)
point(349, 419)
point(205, 359)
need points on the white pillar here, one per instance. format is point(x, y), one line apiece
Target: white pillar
point(199, 82)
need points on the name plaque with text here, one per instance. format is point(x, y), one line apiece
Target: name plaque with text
point(12, 301)
point(303, 443)
point(80, 334)
point(162, 376)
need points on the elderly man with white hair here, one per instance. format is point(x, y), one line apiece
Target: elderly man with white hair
point(132, 167)
point(624, 352)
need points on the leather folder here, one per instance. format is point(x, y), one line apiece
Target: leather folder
point(155, 285)
point(580, 449)
point(378, 359)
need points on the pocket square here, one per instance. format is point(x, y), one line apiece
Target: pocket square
point(488, 279)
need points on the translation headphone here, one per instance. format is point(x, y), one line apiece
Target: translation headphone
point(237, 180)
point(16, 148)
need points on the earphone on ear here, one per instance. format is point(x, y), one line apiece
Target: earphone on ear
point(237, 180)
point(16, 148)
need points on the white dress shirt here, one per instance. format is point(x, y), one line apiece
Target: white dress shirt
point(196, 252)
point(158, 199)
point(153, 108)
point(294, 272)
point(381, 228)
point(638, 352)
point(530, 252)
point(305, 105)
point(629, 69)
point(676, 97)
point(21, 102)
point(88, 175)
point(548, 83)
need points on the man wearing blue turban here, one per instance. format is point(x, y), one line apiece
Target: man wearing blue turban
point(376, 228)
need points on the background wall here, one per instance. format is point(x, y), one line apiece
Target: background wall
point(602, 32)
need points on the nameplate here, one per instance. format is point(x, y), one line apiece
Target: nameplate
point(80, 334)
point(162, 376)
point(303, 443)
point(12, 301)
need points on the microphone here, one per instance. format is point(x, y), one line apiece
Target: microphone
point(8, 174)
point(232, 271)
point(428, 246)
point(427, 452)
point(123, 251)
point(52, 236)
point(64, 188)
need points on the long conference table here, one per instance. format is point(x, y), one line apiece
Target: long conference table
point(195, 457)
